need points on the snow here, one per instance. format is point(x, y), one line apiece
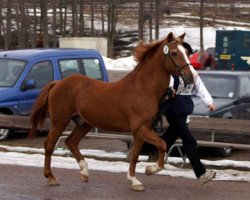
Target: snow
point(127, 63)
point(26, 156)
point(192, 37)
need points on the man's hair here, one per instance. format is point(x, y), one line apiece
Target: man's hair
point(188, 47)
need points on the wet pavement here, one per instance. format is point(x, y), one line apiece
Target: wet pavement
point(28, 183)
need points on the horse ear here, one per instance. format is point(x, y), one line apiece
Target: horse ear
point(170, 37)
point(182, 36)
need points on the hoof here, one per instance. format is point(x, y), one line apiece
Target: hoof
point(152, 169)
point(138, 187)
point(148, 170)
point(53, 182)
point(84, 178)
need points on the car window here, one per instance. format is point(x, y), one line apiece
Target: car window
point(69, 67)
point(42, 73)
point(92, 68)
point(245, 86)
point(10, 70)
point(220, 86)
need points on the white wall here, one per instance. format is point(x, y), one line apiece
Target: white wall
point(97, 43)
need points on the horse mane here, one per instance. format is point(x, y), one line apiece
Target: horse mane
point(144, 50)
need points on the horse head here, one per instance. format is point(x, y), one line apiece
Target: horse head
point(178, 62)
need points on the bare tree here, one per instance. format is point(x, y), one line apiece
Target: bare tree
point(61, 10)
point(102, 16)
point(23, 22)
point(74, 18)
point(112, 19)
point(81, 17)
point(1, 16)
point(150, 22)
point(44, 22)
point(2, 25)
point(157, 18)
point(141, 19)
point(33, 30)
point(92, 16)
point(65, 18)
point(201, 25)
point(54, 23)
point(7, 34)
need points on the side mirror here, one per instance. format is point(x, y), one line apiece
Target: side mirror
point(28, 84)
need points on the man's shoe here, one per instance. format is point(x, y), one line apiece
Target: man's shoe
point(208, 176)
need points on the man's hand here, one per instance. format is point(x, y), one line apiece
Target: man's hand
point(170, 92)
point(211, 107)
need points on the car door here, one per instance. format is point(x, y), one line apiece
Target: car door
point(39, 75)
point(244, 103)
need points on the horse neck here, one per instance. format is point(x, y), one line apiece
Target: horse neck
point(151, 76)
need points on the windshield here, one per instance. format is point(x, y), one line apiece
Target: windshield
point(10, 71)
point(219, 86)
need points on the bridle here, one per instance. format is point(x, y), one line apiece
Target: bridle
point(179, 70)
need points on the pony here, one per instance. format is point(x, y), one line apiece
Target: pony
point(127, 105)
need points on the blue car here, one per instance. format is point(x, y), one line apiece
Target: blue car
point(23, 73)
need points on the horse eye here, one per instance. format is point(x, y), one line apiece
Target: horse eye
point(174, 53)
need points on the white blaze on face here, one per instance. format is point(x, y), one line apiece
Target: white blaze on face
point(183, 51)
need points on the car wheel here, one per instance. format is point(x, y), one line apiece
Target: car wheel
point(225, 151)
point(4, 133)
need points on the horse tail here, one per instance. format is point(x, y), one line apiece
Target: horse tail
point(39, 110)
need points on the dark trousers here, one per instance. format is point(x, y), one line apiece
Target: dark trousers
point(179, 128)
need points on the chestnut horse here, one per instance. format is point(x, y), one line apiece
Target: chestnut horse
point(127, 105)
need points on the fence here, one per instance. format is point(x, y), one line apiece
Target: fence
point(211, 132)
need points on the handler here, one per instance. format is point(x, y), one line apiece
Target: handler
point(177, 106)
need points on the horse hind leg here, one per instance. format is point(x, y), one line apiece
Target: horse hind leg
point(49, 147)
point(73, 141)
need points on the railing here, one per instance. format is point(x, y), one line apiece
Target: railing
point(213, 132)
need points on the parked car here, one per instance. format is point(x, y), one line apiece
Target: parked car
point(23, 73)
point(231, 94)
point(204, 60)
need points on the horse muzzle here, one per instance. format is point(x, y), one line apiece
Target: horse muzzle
point(189, 79)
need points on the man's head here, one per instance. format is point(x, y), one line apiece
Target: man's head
point(188, 47)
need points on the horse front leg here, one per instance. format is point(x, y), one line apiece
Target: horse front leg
point(152, 138)
point(145, 134)
point(161, 146)
point(133, 157)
